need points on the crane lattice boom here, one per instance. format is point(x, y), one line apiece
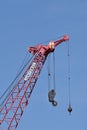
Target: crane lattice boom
point(13, 107)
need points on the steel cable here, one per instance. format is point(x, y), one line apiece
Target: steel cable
point(12, 85)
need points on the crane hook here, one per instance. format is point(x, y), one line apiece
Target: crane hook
point(54, 103)
point(51, 96)
point(70, 109)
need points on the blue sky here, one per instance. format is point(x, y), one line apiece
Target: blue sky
point(26, 23)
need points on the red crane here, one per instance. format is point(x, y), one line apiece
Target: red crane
point(15, 103)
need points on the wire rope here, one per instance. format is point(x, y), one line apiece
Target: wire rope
point(49, 74)
point(54, 71)
point(12, 85)
point(69, 74)
point(49, 71)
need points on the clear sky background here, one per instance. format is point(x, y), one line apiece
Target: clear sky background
point(26, 23)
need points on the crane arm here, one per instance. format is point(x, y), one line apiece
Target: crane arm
point(64, 38)
point(15, 104)
point(17, 100)
point(46, 49)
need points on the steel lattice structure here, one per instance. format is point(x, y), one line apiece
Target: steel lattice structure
point(13, 107)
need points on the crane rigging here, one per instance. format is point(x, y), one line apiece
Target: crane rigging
point(51, 92)
point(17, 99)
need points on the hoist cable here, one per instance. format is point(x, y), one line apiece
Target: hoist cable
point(49, 71)
point(49, 74)
point(12, 85)
point(54, 71)
point(69, 73)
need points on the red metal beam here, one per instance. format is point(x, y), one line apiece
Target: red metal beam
point(16, 102)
